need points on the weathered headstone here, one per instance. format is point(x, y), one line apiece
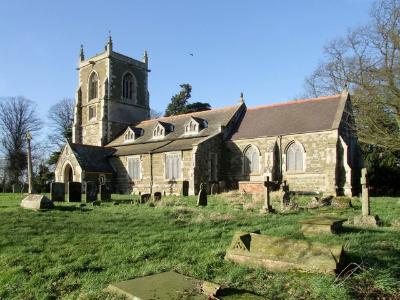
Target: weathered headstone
point(365, 219)
point(267, 208)
point(321, 225)
point(90, 191)
point(283, 254)
point(36, 202)
point(104, 192)
point(144, 198)
point(57, 191)
point(214, 188)
point(157, 196)
point(285, 199)
point(202, 197)
point(185, 188)
point(74, 191)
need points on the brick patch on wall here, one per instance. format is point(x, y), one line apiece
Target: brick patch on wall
point(251, 187)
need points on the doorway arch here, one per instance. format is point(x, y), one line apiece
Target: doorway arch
point(68, 174)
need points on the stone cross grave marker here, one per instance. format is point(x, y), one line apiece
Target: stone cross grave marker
point(366, 219)
point(267, 208)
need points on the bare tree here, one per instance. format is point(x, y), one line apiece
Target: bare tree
point(154, 114)
point(61, 117)
point(367, 61)
point(17, 117)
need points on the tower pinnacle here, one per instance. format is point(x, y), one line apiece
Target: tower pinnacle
point(81, 54)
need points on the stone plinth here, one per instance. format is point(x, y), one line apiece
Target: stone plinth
point(321, 224)
point(283, 254)
point(36, 202)
point(168, 285)
point(367, 221)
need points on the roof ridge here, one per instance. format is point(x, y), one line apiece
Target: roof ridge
point(162, 119)
point(306, 100)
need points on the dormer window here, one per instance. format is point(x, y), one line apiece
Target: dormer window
point(162, 129)
point(195, 125)
point(131, 134)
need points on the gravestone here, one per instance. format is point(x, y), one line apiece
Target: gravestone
point(157, 196)
point(285, 199)
point(90, 191)
point(57, 191)
point(36, 202)
point(74, 191)
point(202, 197)
point(144, 198)
point(222, 186)
point(267, 208)
point(104, 192)
point(214, 188)
point(16, 188)
point(185, 188)
point(366, 219)
point(321, 225)
point(283, 254)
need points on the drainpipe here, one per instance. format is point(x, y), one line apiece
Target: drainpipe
point(151, 172)
point(280, 158)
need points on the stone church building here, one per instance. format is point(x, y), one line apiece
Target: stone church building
point(307, 143)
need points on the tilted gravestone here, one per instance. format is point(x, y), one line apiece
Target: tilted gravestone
point(105, 192)
point(57, 191)
point(214, 188)
point(157, 196)
point(90, 191)
point(74, 191)
point(202, 197)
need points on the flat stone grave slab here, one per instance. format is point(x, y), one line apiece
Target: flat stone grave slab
point(36, 202)
point(283, 254)
point(321, 224)
point(173, 286)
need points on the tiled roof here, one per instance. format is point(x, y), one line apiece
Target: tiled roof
point(93, 158)
point(215, 119)
point(301, 116)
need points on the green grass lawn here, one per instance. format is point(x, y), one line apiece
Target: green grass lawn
point(72, 252)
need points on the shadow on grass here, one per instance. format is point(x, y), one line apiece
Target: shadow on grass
point(233, 294)
point(71, 208)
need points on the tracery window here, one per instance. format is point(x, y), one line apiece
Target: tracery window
point(128, 86)
point(92, 112)
point(294, 158)
point(251, 160)
point(93, 86)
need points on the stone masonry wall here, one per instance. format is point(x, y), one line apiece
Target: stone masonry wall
point(319, 160)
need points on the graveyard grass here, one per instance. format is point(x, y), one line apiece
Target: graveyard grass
point(72, 252)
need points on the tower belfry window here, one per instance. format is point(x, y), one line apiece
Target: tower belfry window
point(128, 86)
point(93, 86)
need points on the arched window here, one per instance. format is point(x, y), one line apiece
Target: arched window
point(128, 86)
point(251, 160)
point(93, 86)
point(294, 158)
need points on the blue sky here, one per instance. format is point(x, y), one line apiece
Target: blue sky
point(263, 48)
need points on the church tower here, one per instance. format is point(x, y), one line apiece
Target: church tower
point(112, 94)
